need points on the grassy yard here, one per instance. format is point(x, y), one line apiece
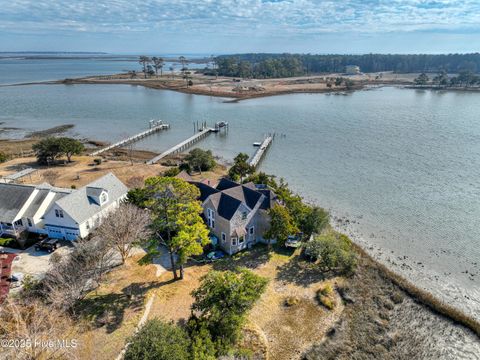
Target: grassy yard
point(285, 322)
point(109, 315)
point(283, 331)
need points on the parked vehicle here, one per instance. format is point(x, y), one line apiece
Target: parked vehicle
point(215, 255)
point(48, 245)
point(294, 241)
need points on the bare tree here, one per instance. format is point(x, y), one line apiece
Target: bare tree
point(76, 274)
point(124, 228)
point(50, 176)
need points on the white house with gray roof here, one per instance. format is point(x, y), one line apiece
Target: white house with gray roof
point(59, 213)
point(22, 206)
point(76, 214)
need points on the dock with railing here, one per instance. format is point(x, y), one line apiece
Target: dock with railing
point(257, 157)
point(155, 126)
point(201, 134)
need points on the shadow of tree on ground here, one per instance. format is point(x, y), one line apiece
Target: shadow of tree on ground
point(109, 309)
point(248, 258)
point(300, 272)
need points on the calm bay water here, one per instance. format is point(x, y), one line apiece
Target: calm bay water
point(402, 165)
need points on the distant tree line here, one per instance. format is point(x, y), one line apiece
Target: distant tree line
point(465, 79)
point(288, 65)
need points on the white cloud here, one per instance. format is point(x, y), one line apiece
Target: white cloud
point(248, 17)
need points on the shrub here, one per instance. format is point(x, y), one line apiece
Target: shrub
point(158, 340)
point(325, 297)
point(291, 301)
point(333, 251)
point(201, 160)
point(73, 186)
point(6, 241)
point(223, 299)
point(97, 161)
point(174, 171)
point(3, 157)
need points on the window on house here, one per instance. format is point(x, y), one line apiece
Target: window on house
point(59, 213)
point(19, 222)
point(88, 225)
point(241, 239)
point(224, 237)
point(211, 218)
point(29, 222)
point(244, 215)
point(234, 241)
point(103, 198)
point(252, 230)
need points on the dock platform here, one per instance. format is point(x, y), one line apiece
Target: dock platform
point(255, 160)
point(153, 129)
point(183, 145)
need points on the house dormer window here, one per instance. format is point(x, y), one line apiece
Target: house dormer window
point(244, 215)
point(103, 198)
point(59, 213)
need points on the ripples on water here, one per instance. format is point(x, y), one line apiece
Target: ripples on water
point(403, 164)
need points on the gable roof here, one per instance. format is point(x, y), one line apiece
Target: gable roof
point(80, 206)
point(12, 199)
point(244, 194)
point(205, 190)
point(225, 184)
point(225, 205)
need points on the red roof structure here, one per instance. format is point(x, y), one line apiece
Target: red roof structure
point(6, 260)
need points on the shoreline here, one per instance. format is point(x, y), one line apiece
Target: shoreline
point(390, 267)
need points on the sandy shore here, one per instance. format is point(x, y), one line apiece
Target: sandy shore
point(239, 89)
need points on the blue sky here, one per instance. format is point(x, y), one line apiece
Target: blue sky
point(228, 26)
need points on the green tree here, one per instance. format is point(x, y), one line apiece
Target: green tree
point(201, 160)
point(158, 63)
point(70, 147)
point(281, 225)
point(333, 251)
point(441, 79)
point(158, 340)
point(47, 150)
point(315, 220)
point(176, 221)
point(422, 79)
point(144, 61)
point(240, 167)
point(138, 197)
point(3, 157)
point(203, 347)
point(222, 301)
point(192, 234)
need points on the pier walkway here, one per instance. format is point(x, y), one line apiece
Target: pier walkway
point(261, 151)
point(153, 129)
point(183, 145)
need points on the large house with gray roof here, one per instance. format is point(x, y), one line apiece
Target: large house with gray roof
point(59, 213)
point(237, 214)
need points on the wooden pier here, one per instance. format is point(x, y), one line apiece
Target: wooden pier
point(154, 127)
point(261, 151)
point(203, 133)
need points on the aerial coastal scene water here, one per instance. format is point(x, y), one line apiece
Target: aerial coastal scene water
point(239, 180)
point(394, 166)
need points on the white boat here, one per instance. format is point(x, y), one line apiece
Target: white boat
point(257, 143)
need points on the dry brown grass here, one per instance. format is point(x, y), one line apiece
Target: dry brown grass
point(285, 332)
point(82, 170)
point(424, 297)
point(109, 315)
